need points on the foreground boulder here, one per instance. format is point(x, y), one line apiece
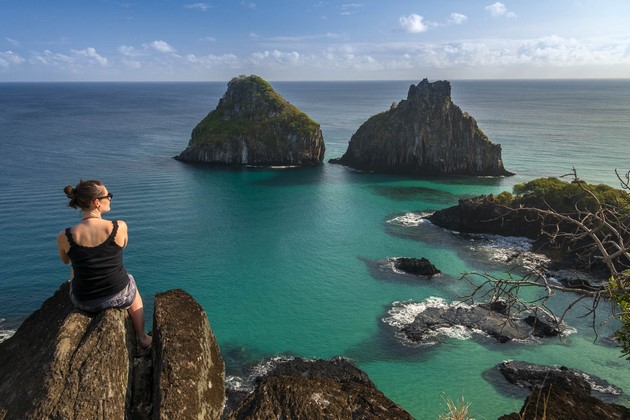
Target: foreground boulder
point(62, 363)
point(316, 389)
point(254, 125)
point(426, 134)
point(188, 371)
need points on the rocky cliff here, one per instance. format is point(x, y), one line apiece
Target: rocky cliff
point(426, 134)
point(254, 125)
point(63, 363)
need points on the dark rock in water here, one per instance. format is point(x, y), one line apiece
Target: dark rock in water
point(316, 389)
point(426, 134)
point(558, 393)
point(487, 214)
point(62, 363)
point(254, 125)
point(188, 371)
point(490, 319)
point(484, 214)
point(419, 267)
point(528, 375)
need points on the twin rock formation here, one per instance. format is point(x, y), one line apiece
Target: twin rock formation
point(426, 134)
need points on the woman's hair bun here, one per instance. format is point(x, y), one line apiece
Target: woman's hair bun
point(69, 190)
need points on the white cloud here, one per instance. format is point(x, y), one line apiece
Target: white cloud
point(498, 9)
point(349, 8)
point(13, 42)
point(8, 58)
point(458, 18)
point(213, 61)
point(91, 53)
point(132, 64)
point(413, 23)
point(162, 47)
point(275, 57)
point(249, 5)
point(129, 51)
point(208, 39)
point(201, 6)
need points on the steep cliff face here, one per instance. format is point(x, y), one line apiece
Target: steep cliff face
point(426, 134)
point(63, 363)
point(254, 125)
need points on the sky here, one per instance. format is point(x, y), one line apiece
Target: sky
point(212, 40)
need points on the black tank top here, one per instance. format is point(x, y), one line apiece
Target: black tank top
point(98, 270)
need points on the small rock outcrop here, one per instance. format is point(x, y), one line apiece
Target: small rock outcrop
point(492, 319)
point(254, 125)
point(63, 363)
point(317, 389)
point(484, 214)
point(417, 267)
point(426, 134)
point(561, 402)
point(529, 375)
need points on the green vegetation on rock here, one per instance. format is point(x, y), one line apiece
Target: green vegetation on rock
point(562, 196)
point(252, 108)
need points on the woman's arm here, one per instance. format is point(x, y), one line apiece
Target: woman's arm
point(122, 236)
point(64, 246)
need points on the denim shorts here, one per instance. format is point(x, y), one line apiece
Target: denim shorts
point(122, 299)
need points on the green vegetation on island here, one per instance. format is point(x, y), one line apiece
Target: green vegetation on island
point(252, 107)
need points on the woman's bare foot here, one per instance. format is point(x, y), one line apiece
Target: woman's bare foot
point(145, 341)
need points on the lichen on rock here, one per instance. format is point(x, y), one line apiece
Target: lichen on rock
point(254, 125)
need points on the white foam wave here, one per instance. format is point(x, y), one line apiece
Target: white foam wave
point(268, 365)
point(508, 250)
point(403, 313)
point(237, 383)
point(410, 219)
point(601, 388)
point(6, 334)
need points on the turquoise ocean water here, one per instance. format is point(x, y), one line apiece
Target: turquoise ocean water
point(295, 261)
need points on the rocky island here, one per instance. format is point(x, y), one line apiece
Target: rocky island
point(426, 134)
point(254, 125)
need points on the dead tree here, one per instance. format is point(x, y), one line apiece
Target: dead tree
point(597, 231)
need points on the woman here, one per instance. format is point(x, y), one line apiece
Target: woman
point(94, 247)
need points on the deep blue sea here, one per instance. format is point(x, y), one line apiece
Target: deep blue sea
point(295, 262)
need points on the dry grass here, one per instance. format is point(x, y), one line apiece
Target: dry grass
point(455, 410)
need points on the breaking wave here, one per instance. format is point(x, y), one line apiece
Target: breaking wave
point(239, 383)
point(410, 219)
point(5, 334)
point(508, 250)
point(403, 313)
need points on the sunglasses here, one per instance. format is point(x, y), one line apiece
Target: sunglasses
point(109, 196)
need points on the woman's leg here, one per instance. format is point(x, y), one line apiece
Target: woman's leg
point(136, 312)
